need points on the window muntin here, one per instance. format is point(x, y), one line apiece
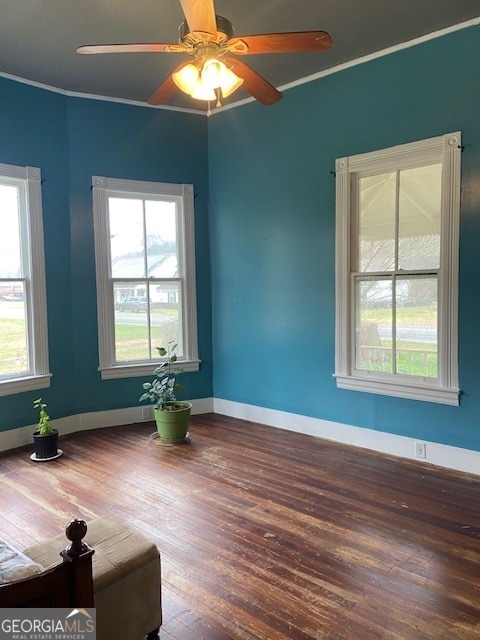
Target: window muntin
point(23, 330)
point(145, 275)
point(397, 270)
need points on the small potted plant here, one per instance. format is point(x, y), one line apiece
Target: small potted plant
point(45, 437)
point(171, 415)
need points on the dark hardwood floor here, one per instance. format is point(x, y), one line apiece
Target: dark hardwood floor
point(266, 534)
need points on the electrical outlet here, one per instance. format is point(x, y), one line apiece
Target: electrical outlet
point(147, 413)
point(420, 450)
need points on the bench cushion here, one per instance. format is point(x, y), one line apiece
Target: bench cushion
point(119, 551)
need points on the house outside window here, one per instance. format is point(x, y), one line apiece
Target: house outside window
point(145, 264)
point(23, 313)
point(397, 270)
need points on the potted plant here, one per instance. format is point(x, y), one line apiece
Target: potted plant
point(171, 415)
point(45, 437)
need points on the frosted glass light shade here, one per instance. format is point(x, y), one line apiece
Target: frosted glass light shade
point(230, 83)
point(202, 92)
point(212, 73)
point(217, 75)
point(187, 78)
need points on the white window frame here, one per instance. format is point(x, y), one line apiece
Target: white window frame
point(29, 181)
point(444, 389)
point(102, 189)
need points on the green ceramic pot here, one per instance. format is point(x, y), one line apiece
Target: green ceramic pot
point(172, 425)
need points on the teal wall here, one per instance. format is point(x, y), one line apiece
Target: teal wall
point(265, 231)
point(71, 139)
point(273, 233)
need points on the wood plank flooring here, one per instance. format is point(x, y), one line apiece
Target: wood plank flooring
point(267, 534)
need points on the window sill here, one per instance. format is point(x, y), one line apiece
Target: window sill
point(138, 370)
point(19, 385)
point(412, 391)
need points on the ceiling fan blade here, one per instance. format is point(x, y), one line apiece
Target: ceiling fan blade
point(200, 15)
point(131, 48)
point(256, 86)
point(295, 42)
point(167, 89)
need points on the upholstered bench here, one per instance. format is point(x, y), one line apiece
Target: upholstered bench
point(126, 578)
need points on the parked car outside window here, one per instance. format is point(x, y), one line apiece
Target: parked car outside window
point(133, 304)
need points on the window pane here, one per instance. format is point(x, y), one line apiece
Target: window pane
point(13, 329)
point(161, 227)
point(374, 324)
point(131, 324)
point(134, 315)
point(126, 237)
point(376, 222)
point(417, 326)
point(419, 218)
point(10, 262)
point(166, 316)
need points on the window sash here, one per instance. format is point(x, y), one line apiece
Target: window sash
point(443, 150)
point(423, 361)
point(149, 309)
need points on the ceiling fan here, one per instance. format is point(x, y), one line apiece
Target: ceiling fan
point(214, 73)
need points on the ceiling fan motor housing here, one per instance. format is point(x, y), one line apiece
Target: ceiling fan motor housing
point(224, 28)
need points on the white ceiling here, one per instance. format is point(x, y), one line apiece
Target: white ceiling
point(38, 38)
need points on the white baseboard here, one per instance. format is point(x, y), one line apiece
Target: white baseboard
point(85, 421)
point(438, 454)
point(442, 455)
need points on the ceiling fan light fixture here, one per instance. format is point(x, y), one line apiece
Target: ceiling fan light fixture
point(190, 80)
point(187, 78)
point(202, 92)
point(216, 75)
point(212, 73)
point(230, 83)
